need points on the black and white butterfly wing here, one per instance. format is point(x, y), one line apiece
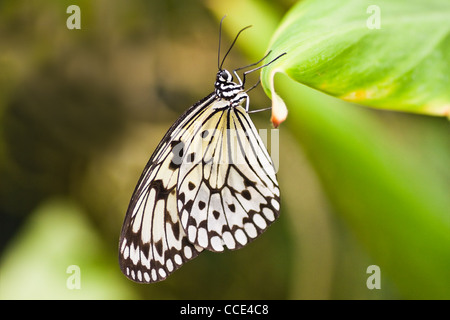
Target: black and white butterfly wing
point(153, 243)
point(227, 189)
point(210, 184)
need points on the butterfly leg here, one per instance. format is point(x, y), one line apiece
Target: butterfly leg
point(242, 83)
point(260, 67)
point(253, 86)
point(259, 110)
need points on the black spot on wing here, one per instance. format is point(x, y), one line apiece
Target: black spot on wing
point(159, 247)
point(246, 194)
point(192, 222)
point(176, 230)
point(248, 182)
point(145, 249)
point(216, 214)
point(203, 224)
point(161, 192)
point(188, 206)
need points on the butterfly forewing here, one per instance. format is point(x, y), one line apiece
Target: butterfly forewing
point(153, 243)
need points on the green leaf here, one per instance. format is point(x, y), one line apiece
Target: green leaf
point(388, 185)
point(386, 54)
point(395, 204)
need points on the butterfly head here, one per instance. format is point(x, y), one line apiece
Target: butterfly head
point(224, 76)
point(225, 88)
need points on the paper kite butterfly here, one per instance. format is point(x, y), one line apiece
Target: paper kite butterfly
point(209, 184)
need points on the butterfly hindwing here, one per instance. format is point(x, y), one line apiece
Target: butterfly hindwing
point(227, 189)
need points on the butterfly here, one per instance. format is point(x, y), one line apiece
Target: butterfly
point(209, 185)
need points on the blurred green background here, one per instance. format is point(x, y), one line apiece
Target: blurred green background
point(81, 111)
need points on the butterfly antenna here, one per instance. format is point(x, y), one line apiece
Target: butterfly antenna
point(234, 41)
point(220, 40)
